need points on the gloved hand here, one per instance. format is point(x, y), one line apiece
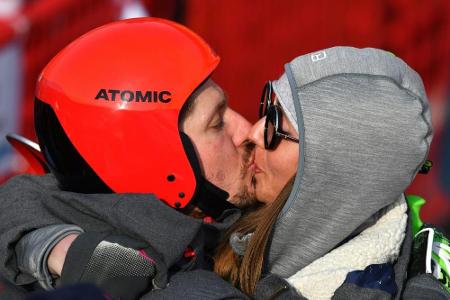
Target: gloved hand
point(123, 268)
point(33, 252)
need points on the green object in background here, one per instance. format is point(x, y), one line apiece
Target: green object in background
point(415, 203)
point(426, 167)
point(441, 259)
point(431, 248)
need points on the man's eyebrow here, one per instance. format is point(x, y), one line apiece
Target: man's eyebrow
point(218, 108)
point(223, 103)
point(187, 109)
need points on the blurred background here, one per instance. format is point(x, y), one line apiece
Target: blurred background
point(254, 38)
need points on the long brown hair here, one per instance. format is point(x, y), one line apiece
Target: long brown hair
point(244, 272)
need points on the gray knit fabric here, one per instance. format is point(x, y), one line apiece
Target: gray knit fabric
point(365, 129)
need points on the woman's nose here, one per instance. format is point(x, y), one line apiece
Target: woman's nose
point(256, 133)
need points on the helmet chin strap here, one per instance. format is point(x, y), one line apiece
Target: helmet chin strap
point(211, 199)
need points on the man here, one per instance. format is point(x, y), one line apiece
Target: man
point(127, 108)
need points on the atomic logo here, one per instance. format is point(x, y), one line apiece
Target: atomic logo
point(134, 96)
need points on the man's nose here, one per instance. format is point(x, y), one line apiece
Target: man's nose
point(239, 127)
point(256, 133)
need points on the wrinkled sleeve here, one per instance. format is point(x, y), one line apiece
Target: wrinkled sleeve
point(21, 211)
point(29, 202)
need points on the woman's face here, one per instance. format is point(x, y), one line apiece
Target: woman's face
point(273, 168)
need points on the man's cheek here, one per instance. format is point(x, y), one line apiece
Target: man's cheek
point(220, 176)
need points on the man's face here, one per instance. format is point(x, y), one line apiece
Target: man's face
point(219, 136)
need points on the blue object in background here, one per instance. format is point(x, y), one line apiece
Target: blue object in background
point(10, 99)
point(444, 176)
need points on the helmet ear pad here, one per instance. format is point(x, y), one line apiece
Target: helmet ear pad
point(70, 169)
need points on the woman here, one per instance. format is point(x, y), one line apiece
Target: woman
point(344, 132)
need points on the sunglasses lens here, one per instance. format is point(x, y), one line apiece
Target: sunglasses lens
point(269, 132)
point(265, 100)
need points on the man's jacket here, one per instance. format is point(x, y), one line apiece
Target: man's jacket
point(30, 202)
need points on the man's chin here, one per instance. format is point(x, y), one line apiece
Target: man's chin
point(244, 199)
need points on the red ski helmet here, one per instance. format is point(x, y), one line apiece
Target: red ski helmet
point(113, 97)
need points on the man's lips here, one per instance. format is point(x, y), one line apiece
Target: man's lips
point(252, 166)
point(251, 161)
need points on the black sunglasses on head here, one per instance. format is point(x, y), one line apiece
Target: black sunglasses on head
point(272, 127)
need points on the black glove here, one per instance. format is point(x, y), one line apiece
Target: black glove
point(123, 268)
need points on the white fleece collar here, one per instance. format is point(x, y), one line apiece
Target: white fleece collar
point(378, 244)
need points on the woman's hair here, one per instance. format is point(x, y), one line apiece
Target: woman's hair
point(244, 272)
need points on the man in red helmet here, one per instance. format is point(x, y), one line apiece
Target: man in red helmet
point(127, 108)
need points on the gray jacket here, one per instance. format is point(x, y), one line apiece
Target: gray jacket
point(31, 202)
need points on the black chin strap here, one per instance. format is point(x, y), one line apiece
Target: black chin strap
point(211, 199)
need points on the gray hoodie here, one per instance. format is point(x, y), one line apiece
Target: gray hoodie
point(365, 130)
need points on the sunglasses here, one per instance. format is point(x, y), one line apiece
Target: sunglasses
point(272, 127)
